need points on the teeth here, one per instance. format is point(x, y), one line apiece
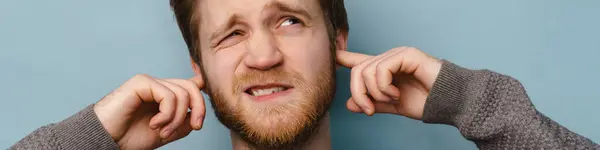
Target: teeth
point(261, 92)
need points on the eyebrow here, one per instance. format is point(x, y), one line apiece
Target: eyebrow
point(289, 8)
point(234, 18)
point(231, 21)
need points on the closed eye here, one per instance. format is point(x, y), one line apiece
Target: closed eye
point(232, 34)
point(231, 39)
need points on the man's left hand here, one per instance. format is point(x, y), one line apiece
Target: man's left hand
point(397, 81)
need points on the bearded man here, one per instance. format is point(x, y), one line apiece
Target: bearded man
point(268, 67)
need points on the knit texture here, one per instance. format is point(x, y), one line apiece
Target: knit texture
point(488, 108)
point(81, 131)
point(494, 111)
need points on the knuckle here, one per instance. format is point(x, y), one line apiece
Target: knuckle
point(381, 86)
point(355, 71)
point(370, 68)
point(170, 96)
point(406, 49)
point(365, 74)
point(184, 95)
point(401, 48)
point(379, 67)
point(412, 50)
point(141, 76)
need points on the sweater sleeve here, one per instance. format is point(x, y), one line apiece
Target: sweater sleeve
point(80, 131)
point(494, 111)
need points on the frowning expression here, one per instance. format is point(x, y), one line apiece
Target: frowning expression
point(268, 66)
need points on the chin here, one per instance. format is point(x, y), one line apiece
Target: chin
point(279, 127)
point(278, 120)
point(277, 124)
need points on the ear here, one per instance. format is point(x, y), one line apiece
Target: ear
point(341, 40)
point(341, 43)
point(196, 68)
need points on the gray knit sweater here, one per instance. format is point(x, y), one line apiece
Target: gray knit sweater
point(488, 108)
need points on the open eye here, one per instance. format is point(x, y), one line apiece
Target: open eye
point(290, 21)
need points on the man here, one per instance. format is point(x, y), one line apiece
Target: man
point(269, 67)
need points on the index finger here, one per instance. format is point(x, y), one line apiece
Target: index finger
point(350, 59)
point(198, 81)
point(196, 102)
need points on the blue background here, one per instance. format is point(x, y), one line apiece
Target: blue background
point(56, 57)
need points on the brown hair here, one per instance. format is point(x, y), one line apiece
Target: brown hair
point(334, 13)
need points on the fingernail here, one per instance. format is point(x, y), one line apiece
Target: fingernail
point(166, 133)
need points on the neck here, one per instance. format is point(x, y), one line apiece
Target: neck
point(319, 141)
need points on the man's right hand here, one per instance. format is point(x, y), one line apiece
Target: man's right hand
point(146, 112)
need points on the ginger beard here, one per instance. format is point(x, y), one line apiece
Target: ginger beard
point(284, 125)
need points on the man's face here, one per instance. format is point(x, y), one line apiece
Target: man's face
point(268, 66)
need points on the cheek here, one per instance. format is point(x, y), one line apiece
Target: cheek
point(219, 69)
point(308, 54)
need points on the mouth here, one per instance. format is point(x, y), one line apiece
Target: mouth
point(263, 91)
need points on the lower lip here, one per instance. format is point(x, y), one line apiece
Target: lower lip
point(270, 97)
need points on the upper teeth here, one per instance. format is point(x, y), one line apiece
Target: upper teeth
point(260, 92)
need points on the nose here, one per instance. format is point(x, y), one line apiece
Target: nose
point(263, 52)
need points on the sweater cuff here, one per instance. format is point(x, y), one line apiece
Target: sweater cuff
point(452, 93)
point(84, 131)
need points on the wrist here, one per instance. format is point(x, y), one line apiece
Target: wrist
point(100, 109)
point(431, 71)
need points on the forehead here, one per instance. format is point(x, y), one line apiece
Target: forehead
point(213, 13)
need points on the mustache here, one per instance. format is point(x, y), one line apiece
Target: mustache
point(276, 75)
